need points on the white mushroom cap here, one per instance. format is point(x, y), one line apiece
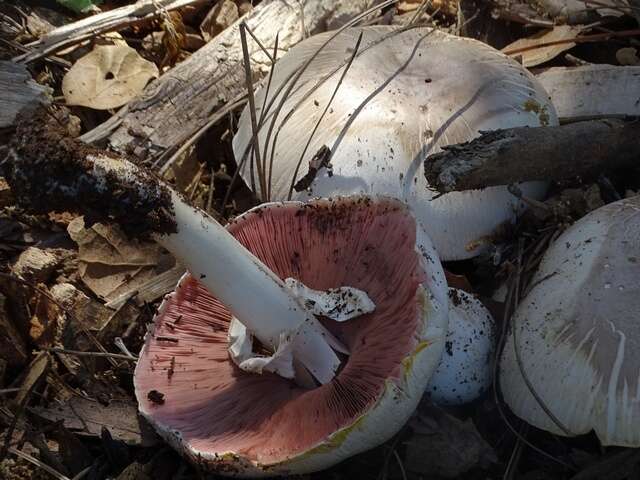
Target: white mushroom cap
point(406, 94)
point(464, 372)
point(578, 331)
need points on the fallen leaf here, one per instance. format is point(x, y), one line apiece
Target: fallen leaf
point(89, 417)
point(442, 445)
point(108, 77)
point(628, 56)
point(111, 264)
point(532, 54)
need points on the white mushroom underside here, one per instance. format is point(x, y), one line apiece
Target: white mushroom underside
point(401, 99)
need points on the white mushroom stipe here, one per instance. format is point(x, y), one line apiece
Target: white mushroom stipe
point(577, 332)
point(229, 271)
point(464, 372)
point(406, 94)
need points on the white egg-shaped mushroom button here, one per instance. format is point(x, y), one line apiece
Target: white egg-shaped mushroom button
point(464, 372)
point(577, 332)
point(363, 121)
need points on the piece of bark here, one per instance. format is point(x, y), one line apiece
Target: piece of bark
point(182, 101)
point(593, 91)
point(112, 20)
point(503, 157)
point(19, 91)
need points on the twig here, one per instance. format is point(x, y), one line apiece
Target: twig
point(421, 8)
point(51, 471)
point(4, 391)
point(80, 353)
point(399, 460)
point(576, 150)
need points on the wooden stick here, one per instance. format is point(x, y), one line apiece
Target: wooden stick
point(502, 157)
point(110, 21)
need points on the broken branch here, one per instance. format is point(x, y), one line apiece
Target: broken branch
point(502, 157)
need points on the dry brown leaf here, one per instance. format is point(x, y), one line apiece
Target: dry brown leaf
point(111, 264)
point(445, 446)
point(537, 55)
point(628, 56)
point(108, 77)
point(89, 417)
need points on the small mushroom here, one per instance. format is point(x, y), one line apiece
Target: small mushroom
point(243, 424)
point(363, 116)
point(577, 332)
point(464, 372)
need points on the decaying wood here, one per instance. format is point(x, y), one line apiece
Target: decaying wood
point(503, 157)
point(593, 91)
point(112, 20)
point(152, 290)
point(18, 91)
point(182, 101)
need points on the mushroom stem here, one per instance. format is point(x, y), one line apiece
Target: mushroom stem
point(104, 186)
point(249, 289)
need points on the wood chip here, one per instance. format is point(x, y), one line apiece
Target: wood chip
point(19, 91)
point(593, 90)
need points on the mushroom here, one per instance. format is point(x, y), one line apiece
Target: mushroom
point(576, 367)
point(349, 115)
point(242, 424)
point(277, 274)
point(464, 372)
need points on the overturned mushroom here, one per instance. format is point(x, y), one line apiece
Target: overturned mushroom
point(279, 271)
point(245, 424)
point(572, 361)
point(361, 115)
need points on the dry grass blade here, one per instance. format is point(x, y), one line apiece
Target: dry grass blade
point(419, 11)
point(291, 81)
point(80, 353)
point(511, 295)
point(259, 43)
point(252, 110)
point(516, 349)
point(356, 48)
